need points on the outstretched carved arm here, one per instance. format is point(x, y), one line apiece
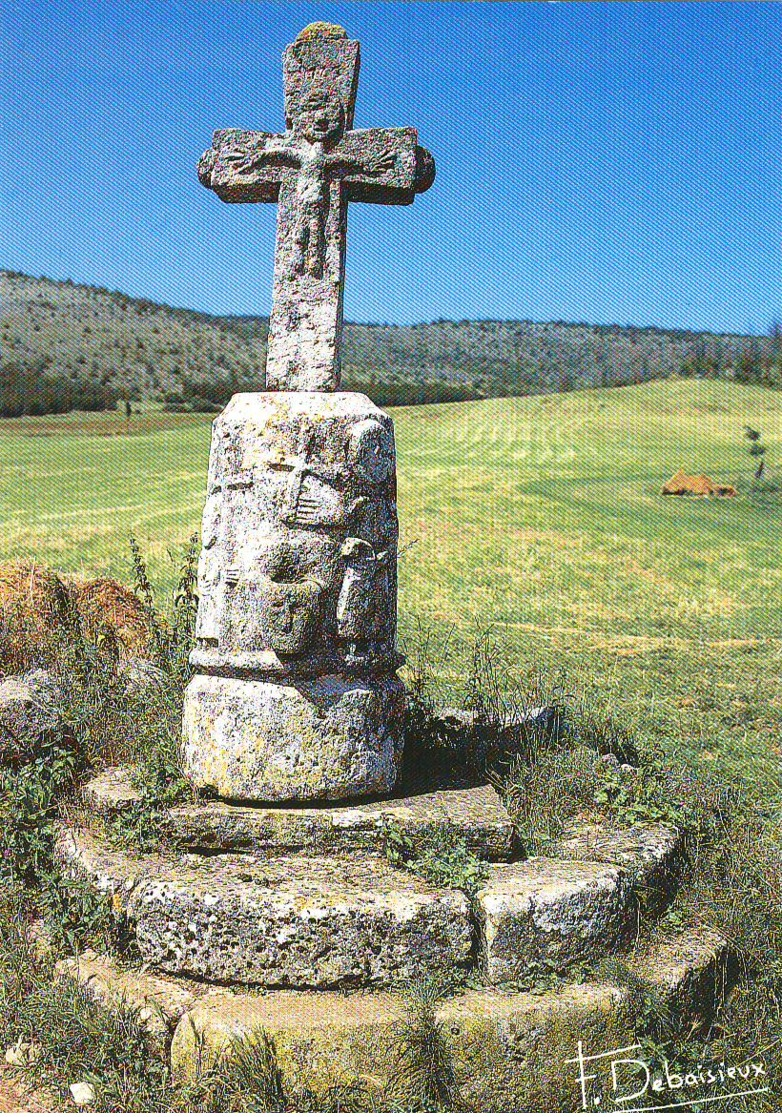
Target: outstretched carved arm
point(376, 163)
point(384, 165)
point(257, 154)
point(246, 166)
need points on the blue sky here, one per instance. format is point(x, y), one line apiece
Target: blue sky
point(601, 162)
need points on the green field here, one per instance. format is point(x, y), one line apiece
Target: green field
point(539, 516)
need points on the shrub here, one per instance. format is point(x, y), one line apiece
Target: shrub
point(31, 390)
point(77, 1038)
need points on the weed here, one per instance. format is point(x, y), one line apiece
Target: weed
point(107, 720)
point(594, 728)
point(79, 1039)
point(246, 1078)
point(440, 856)
point(506, 708)
point(77, 918)
point(543, 797)
point(652, 1016)
point(428, 748)
point(353, 1096)
point(424, 1078)
point(172, 637)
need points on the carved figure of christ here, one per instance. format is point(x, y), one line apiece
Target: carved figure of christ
point(312, 171)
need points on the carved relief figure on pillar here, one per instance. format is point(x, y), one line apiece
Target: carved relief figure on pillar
point(305, 535)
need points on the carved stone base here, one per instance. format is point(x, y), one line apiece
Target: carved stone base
point(328, 738)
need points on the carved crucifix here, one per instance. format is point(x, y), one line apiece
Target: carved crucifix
point(312, 171)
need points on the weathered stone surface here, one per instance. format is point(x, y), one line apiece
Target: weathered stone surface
point(110, 792)
point(312, 171)
point(297, 578)
point(460, 720)
point(480, 741)
point(508, 1051)
point(30, 716)
point(159, 1002)
point(474, 814)
point(691, 969)
point(296, 627)
point(333, 739)
point(297, 921)
point(549, 913)
point(651, 854)
point(297, 575)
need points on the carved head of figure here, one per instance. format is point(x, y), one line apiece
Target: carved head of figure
point(289, 613)
point(370, 452)
point(321, 116)
point(289, 602)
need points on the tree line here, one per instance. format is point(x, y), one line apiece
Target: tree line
point(64, 346)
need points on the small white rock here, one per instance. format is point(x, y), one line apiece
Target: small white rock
point(82, 1093)
point(18, 1055)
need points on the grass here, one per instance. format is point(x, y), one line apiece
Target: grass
point(538, 516)
point(541, 520)
point(80, 1039)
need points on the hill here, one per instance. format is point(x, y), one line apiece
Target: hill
point(64, 346)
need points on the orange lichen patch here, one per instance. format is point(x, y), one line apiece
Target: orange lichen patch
point(683, 484)
point(105, 605)
point(39, 610)
point(321, 30)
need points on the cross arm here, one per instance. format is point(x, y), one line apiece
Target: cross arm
point(384, 165)
point(246, 166)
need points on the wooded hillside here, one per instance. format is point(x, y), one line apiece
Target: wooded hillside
point(66, 346)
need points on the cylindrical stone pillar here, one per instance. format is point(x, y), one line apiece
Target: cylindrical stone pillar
point(296, 695)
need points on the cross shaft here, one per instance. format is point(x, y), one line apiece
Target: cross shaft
point(312, 171)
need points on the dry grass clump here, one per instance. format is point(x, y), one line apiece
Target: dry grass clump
point(39, 609)
point(34, 610)
point(104, 604)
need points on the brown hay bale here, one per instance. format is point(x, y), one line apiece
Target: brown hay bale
point(701, 485)
point(38, 610)
point(105, 605)
point(677, 485)
point(682, 484)
point(29, 586)
point(34, 608)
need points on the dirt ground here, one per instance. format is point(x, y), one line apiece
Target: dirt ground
point(14, 1098)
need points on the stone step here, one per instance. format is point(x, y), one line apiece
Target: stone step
point(544, 914)
point(506, 1051)
point(297, 921)
point(474, 814)
point(652, 855)
point(548, 913)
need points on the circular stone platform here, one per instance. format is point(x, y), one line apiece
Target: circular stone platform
point(289, 923)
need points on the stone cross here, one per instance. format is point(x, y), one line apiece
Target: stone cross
point(312, 171)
